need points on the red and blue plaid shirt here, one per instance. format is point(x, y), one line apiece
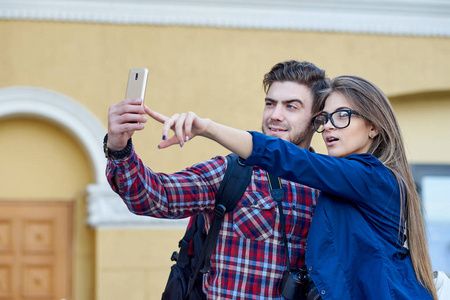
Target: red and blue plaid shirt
point(249, 258)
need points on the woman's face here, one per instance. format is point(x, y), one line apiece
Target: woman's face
point(355, 138)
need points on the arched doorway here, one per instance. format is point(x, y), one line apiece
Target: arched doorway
point(46, 245)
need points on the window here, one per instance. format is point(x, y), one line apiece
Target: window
point(433, 183)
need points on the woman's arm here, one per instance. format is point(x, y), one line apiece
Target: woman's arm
point(186, 126)
point(235, 140)
point(352, 178)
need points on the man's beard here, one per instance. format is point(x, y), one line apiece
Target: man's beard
point(297, 139)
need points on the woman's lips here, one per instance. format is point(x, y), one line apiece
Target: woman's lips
point(331, 140)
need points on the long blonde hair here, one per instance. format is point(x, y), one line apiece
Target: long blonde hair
point(372, 104)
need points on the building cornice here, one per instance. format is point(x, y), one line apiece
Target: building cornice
point(391, 17)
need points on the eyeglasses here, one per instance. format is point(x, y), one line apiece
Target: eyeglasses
point(340, 119)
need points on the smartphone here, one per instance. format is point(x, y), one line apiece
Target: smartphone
point(137, 82)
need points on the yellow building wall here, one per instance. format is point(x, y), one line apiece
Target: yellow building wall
point(214, 72)
point(138, 267)
point(424, 119)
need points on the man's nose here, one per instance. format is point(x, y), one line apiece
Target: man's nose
point(277, 113)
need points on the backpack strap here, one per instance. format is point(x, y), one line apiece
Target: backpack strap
point(235, 181)
point(234, 184)
point(182, 257)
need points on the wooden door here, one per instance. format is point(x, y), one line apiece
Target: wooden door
point(35, 250)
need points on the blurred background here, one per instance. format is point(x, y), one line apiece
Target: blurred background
point(64, 234)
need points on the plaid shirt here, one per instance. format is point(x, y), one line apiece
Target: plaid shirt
point(249, 258)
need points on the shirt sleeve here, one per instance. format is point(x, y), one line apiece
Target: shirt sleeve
point(352, 177)
point(161, 195)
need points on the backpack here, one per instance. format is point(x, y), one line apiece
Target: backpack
point(186, 276)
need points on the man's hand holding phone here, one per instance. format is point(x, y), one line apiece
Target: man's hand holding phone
point(128, 115)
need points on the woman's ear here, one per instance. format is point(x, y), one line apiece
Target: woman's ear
point(373, 132)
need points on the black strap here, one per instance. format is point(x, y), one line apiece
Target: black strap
point(184, 244)
point(278, 194)
point(235, 181)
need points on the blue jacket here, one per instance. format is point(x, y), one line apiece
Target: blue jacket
point(355, 248)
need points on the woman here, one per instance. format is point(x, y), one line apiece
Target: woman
point(368, 210)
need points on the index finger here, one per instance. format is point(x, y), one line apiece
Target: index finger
point(155, 115)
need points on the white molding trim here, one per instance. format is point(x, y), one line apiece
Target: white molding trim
point(105, 208)
point(62, 110)
point(107, 211)
point(392, 17)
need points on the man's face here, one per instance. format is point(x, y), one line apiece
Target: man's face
point(287, 113)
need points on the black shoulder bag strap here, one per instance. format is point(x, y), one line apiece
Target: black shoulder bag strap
point(235, 181)
point(278, 194)
point(182, 257)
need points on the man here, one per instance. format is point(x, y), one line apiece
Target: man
point(249, 259)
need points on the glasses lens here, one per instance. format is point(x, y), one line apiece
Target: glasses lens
point(340, 118)
point(319, 123)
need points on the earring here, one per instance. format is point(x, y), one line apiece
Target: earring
point(371, 136)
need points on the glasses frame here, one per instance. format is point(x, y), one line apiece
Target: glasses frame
point(329, 117)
